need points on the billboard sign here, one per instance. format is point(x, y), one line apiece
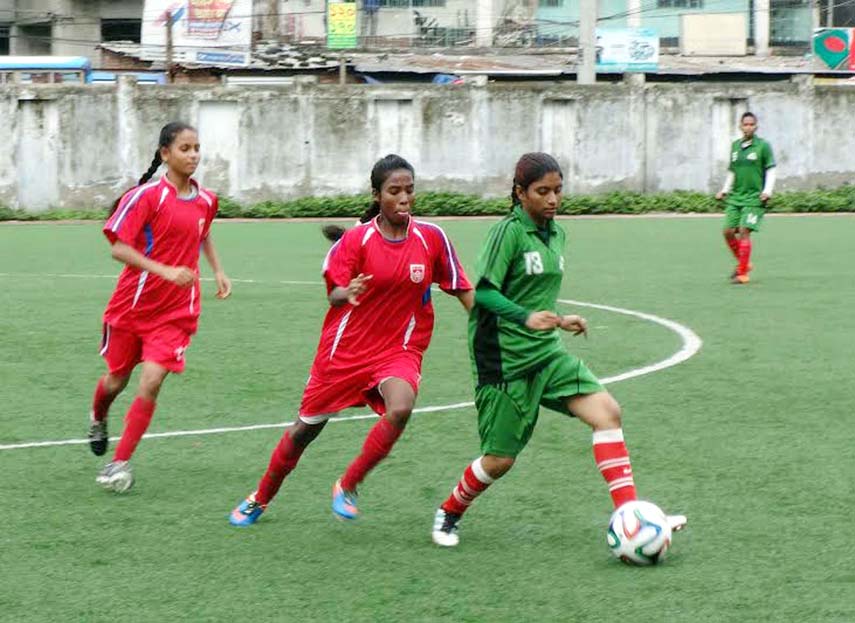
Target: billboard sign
point(623, 50)
point(341, 25)
point(202, 30)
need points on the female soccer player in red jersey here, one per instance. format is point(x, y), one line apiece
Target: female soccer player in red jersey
point(518, 359)
point(378, 277)
point(156, 229)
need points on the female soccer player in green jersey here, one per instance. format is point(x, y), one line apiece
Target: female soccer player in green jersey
point(748, 186)
point(517, 356)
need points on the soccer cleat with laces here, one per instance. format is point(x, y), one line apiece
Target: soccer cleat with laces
point(116, 476)
point(736, 271)
point(740, 280)
point(444, 531)
point(98, 438)
point(247, 512)
point(344, 502)
point(677, 522)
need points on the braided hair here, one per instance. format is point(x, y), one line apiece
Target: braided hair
point(530, 168)
point(379, 174)
point(167, 137)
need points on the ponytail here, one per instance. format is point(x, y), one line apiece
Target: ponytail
point(379, 173)
point(167, 136)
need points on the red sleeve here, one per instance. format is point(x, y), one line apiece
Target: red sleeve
point(343, 260)
point(134, 211)
point(212, 213)
point(448, 273)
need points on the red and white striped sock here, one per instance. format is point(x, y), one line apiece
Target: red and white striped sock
point(612, 459)
point(101, 401)
point(283, 460)
point(136, 422)
point(733, 244)
point(472, 484)
point(744, 256)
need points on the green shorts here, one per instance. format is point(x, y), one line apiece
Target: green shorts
point(737, 216)
point(507, 412)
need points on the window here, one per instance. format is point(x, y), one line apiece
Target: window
point(680, 4)
point(128, 29)
point(4, 39)
point(544, 4)
point(405, 4)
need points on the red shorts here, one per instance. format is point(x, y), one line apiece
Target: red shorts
point(340, 389)
point(123, 350)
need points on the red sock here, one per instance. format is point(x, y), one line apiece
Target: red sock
point(612, 459)
point(377, 446)
point(472, 484)
point(282, 462)
point(136, 422)
point(101, 401)
point(733, 243)
point(744, 256)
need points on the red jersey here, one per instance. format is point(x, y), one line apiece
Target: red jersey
point(155, 221)
point(395, 313)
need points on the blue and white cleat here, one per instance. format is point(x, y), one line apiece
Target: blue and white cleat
point(344, 502)
point(247, 512)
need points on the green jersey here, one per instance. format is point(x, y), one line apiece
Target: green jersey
point(749, 161)
point(527, 270)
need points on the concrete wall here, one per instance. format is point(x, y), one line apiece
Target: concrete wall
point(81, 146)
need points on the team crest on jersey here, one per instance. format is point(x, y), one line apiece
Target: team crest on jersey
point(417, 273)
point(751, 156)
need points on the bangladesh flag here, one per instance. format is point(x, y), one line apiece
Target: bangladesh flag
point(834, 47)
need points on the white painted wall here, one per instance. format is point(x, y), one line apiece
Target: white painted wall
point(81, 146)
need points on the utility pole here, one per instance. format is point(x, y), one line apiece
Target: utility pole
point(170, 67)
point(829, 14)
point(272, 20)
point(586, 72)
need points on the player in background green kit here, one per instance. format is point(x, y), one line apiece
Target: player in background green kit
point(749, 184)
point(518, 359)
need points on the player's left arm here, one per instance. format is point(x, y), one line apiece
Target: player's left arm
point(769, 170)
point(224, 284)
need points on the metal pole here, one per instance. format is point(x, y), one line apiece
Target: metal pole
point(170, 68)
point(586, 72)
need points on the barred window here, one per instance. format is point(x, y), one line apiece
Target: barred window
point(680, 4)
point(4, 39)
point(550, 3)
point(405, 4)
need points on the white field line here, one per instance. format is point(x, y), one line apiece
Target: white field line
point(691, 345)
point(116, 276)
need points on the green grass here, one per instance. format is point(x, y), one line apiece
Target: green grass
point(752, 438)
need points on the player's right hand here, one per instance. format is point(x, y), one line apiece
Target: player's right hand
point(180, 276)
point(356, 287)
point(542, 321)
point(720, 195)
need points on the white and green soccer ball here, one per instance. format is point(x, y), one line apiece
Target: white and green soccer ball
point(639, 533)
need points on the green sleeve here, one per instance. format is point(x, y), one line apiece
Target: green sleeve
point(768, 157)
point(498, 253)
point(489, 297)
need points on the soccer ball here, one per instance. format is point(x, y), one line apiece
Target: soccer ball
point(639, 533)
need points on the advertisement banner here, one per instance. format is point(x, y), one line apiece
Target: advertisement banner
point(834, 48)
point(198, 26)
point(341, 25)
point(625, 50)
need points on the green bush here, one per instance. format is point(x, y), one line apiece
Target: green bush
point(456, 204)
